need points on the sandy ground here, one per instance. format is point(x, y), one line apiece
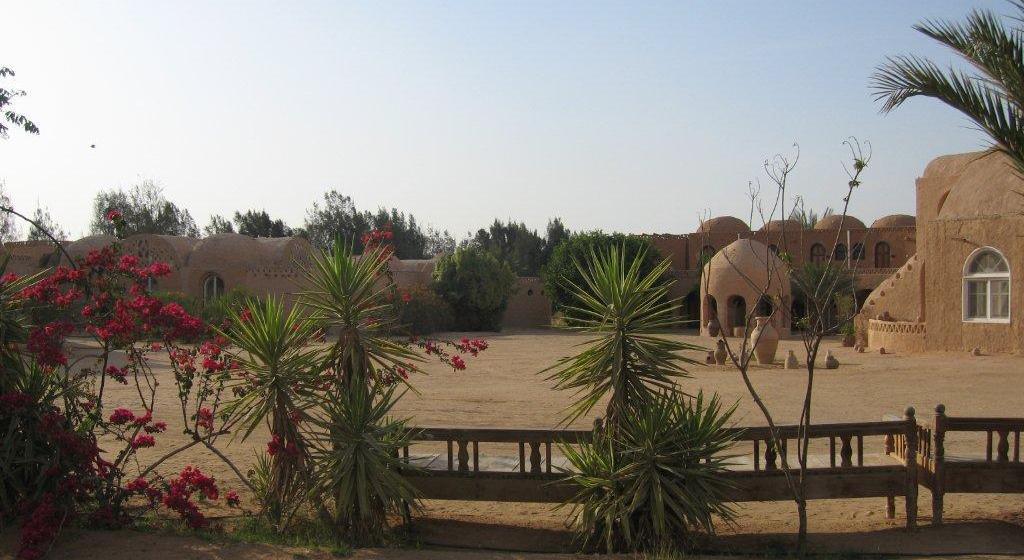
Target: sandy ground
point(502, 388)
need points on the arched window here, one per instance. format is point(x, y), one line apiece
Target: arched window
point(858, 252)
point(818, 253)
point(213, 287)
point(883, 255)
point(987, 287)
point(840, 253)
point(774, 249)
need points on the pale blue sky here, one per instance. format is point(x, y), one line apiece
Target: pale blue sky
point(629, 116)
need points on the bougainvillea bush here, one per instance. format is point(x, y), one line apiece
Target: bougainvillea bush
point(68, 456)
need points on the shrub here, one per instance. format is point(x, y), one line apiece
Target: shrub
point(422, 311)
point(476, 285)
point(651, 483)
point(562, 271)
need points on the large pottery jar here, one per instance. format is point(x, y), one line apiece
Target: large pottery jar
point(766, 340)
point(714, 327)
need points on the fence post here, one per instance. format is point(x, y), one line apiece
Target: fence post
point(911, 454)
point(938, 458)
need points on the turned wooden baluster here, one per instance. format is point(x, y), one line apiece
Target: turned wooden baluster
point(769, 455)
point(463, 456)
point(938, 449)
point(1003, 448)
point(535, 456)
point(845, 452)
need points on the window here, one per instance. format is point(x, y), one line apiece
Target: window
point(151, 285)
point(883, 255)
point(213, 287)
point(840, 252)
point(858, 252)
point(818, 253)
point(774, 249)
point(987, 287)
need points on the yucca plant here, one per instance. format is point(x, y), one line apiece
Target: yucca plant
point(356, 454)
point(352, 298)
point(657, 478)
point(276, 388)
point(629, 359)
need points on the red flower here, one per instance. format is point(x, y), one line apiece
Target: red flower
point(113, 215)
point(143, 440)
point(458, 363)
point(232, 498)
point(205, 418)
point(121, 416)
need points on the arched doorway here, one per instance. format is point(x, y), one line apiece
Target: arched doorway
point(737, 313)
point(883, 255)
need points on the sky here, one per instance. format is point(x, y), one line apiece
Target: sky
point(623, 116)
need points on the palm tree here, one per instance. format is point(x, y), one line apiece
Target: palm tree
point(992, 96)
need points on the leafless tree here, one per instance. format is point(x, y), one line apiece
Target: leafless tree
point(821, 286)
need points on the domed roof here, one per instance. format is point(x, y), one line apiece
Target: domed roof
point(227, 250)
point(835, 221)
point(723, 224)
point(983, 184)
point(745, 265)
point(172, 249)
point(285, 251)
point(895, 220)
point(777, 225)
point(83, 246)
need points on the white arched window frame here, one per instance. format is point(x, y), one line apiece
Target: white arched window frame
point(213, 287)
point(986, 287)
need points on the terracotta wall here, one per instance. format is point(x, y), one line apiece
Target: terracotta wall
point(951, 242)
point(529, 307)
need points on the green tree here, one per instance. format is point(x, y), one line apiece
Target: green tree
point(12, 118)
point(439, 242)
point(218, 224)
point(513, 243)
point(8, 226)
point(42, 217)
point(555, 234)
point(477, 286)
point(807, 217)
point(336, 218)
point(409, 241)
point(260, 224)
point(563, 270)
point(144, 210)
point(991, 96)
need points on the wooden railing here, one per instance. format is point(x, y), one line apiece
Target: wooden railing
point(451, 466)
point(999, 471)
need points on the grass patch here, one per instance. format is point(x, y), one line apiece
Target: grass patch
point(253, 530)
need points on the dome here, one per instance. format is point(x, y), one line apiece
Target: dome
point(82, 247)
point(171, 249)
point(836, 220)
point(285, 251)
point(983, 184)
point(777, 225)
point(723, 225)
point(226, 250)
point(742, 263)
point(895, 220)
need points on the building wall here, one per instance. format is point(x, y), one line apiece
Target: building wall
point(953, 241)
point(529, 306)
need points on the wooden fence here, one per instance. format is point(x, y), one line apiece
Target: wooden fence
point(452, 467)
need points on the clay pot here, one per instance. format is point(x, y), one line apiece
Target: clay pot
point(766, 339)
point(720, 353)
point(830, 361)
point(714, 327)
point(791, 361)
